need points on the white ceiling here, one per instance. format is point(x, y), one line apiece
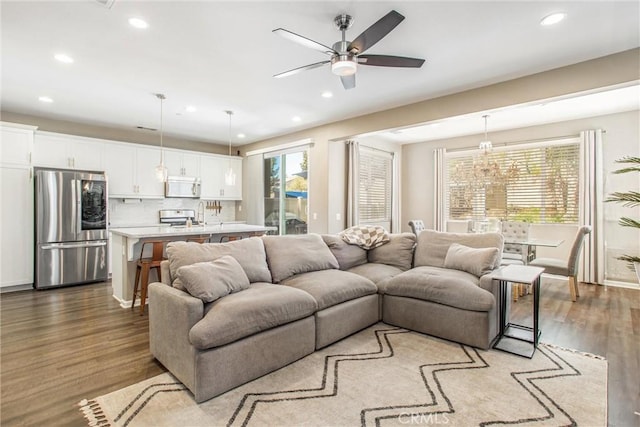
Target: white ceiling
point(219, 55)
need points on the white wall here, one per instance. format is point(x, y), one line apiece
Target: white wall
point(622, 138)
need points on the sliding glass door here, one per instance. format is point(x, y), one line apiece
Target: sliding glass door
point(286, 191)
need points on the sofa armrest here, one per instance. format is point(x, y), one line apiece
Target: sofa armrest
point(172, 314)
point(165, 273)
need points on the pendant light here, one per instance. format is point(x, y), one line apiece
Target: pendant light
point(161, 169)
point(230, 175)
point(485, 145)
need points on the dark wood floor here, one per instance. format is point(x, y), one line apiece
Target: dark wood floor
point(61, 346)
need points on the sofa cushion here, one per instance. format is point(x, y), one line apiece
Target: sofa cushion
point(432, 246)
point(442, 286)
point(375, 272)
point(331, 287)
point(475, 261)
point(249, 253)
point(260, 307)
point(398, 252)
point(295, 254)
point(214, 279)
point(348, 255)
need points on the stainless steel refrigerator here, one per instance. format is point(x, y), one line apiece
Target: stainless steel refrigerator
point(71, 227)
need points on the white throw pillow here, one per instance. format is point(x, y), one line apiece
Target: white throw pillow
point(475, 261)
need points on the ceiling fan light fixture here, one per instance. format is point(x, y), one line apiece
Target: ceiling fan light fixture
point(344, 67)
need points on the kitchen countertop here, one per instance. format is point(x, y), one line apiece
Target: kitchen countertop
point(168, 231)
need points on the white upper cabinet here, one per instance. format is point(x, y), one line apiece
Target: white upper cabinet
point(130, 171)
point(17, 145)
point(68, 152)
point(180, 163)
point(212, 170)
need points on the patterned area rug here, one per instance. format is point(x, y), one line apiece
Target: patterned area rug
point(383, 376)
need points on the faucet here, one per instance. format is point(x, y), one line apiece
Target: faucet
point(201, 212)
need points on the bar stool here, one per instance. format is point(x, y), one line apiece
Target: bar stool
point(229, 238)
point(143, 266)
point(198, 239)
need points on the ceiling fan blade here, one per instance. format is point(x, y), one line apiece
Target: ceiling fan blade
point(304, 41)
point(300, 69)
point(349, 82)
point(390, 61)
point(376, 32)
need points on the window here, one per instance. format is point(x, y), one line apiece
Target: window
point(536, 183)
point(375, 188)
point(286, 208)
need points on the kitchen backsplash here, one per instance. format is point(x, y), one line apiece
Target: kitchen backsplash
point(144, 212)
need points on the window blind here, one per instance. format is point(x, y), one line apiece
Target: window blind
point(375, 186)
point(537, 184)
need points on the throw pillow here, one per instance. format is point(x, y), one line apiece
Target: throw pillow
point(296, 254)
point(475, 261)
point(367, 236)
point(398, 252)
point(212, 280)
point(348, 256)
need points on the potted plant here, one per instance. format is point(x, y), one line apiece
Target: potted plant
point(628, 199)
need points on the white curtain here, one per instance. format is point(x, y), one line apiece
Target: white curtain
point(254, 189)
point(352, 183)
point(439, 203)
point(591, 210)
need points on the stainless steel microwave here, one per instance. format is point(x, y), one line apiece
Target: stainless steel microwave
point(182, 186)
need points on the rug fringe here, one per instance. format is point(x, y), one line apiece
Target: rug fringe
point(93, 413)
point(571, 350)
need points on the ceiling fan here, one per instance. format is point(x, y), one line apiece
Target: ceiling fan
point(346, 55)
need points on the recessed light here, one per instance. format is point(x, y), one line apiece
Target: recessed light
point(138, 23)
point(296, 118)
point(62, 57)
point(190, 109)
point(45, 99)
point(327, 94)
point(553, 18)
point(241, 135)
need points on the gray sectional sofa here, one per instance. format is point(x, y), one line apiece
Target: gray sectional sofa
point(229, 313)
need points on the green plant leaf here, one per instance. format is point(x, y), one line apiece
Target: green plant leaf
point(629, 222)
point(629, 199)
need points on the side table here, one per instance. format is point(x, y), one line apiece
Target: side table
point(513, 338)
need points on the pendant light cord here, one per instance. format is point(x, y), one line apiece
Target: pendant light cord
point(230, 113)
point(161, 97)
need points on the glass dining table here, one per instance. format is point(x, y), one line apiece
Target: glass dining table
point(533, 242)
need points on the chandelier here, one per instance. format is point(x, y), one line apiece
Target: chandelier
point(486, 169)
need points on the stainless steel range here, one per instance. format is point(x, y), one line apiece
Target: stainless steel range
point(177, 217)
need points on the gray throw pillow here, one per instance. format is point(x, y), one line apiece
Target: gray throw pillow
point(475, 261)
point(348, 256)
point(212, 280)
point(398, 252)
point(248, 252)
point(296, 254)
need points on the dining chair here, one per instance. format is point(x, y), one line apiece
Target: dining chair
point(417, 225)
point(514, 253)
point(569, 267)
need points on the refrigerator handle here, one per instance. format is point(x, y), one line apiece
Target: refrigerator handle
point(77, 209)
point(86, 244)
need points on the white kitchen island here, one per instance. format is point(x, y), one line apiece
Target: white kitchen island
point(126, 244)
